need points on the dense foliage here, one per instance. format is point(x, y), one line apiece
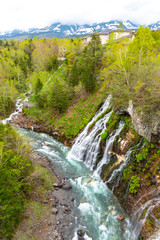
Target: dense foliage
point(131, 71)
point(28, 64)
point(14, 168)
point(128, 69)
point(68, 82)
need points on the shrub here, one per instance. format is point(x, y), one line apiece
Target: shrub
point(105, 135)
point(14, 168)
point(134, 184)
point(59, 96)
point(139, 157)
point(158, 151)
point(152, 146)
point(6, 105)
point(126, 174)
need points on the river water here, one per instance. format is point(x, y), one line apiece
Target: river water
point(96, 209)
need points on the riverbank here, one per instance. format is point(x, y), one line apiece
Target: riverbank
point(47, 213)
point(23, 121)
point(127, 201)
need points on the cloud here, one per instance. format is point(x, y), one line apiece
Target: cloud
point(18, 14)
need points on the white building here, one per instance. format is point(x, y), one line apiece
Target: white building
point(104, 35)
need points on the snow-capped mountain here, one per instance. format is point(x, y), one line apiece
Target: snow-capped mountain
point(154, 26)
point(74, 30)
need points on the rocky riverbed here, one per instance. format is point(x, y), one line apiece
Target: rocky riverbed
point(57, 214)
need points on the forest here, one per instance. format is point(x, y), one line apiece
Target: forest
point(59, 71)
point(67, 82)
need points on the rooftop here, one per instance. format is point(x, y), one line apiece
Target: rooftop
point(108, 31)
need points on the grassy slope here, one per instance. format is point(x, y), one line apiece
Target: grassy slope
point(70, 123)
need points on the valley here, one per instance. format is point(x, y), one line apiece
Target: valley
point(101, 102)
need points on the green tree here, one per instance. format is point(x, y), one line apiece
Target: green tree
point(52, 63)
point(58, 97)
point(14, 168)
point(74, 73)
point(90, 62)
point(142, 46)
point(131, 71)
point(38, 86)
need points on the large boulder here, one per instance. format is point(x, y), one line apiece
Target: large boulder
point(147, 126)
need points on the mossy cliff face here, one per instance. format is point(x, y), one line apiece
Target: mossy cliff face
point(121, 144)
point(146, 124)
point(141, 174)
point(141, 178)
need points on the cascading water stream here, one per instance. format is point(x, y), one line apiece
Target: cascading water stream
point(139, 217)
point(116, 174)
point(142, 210)
point(19, 108)
point(96, 209)
point(109, 144)
point(86, 147)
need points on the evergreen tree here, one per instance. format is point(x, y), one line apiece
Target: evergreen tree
point(74, 74)
point(58, 97)
point(38, 86)
point(52, 63)
point(91, 62)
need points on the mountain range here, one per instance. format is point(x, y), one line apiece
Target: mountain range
point(71, 30)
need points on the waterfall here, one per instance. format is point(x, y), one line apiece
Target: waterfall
point(109, 144)
point(19, 108)
point(87, 145)
point(117, 173)
point(138, 220)
point(142, 211)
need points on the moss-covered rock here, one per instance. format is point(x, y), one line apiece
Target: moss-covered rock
point(107, 167)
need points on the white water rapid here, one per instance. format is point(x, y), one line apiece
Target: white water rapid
point(96, 210)
point(19, 108)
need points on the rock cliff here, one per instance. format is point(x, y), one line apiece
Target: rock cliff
point(146, 126)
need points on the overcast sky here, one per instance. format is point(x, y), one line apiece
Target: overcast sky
point(21, 14)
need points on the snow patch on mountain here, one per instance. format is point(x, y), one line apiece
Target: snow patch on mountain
point(63, 30)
